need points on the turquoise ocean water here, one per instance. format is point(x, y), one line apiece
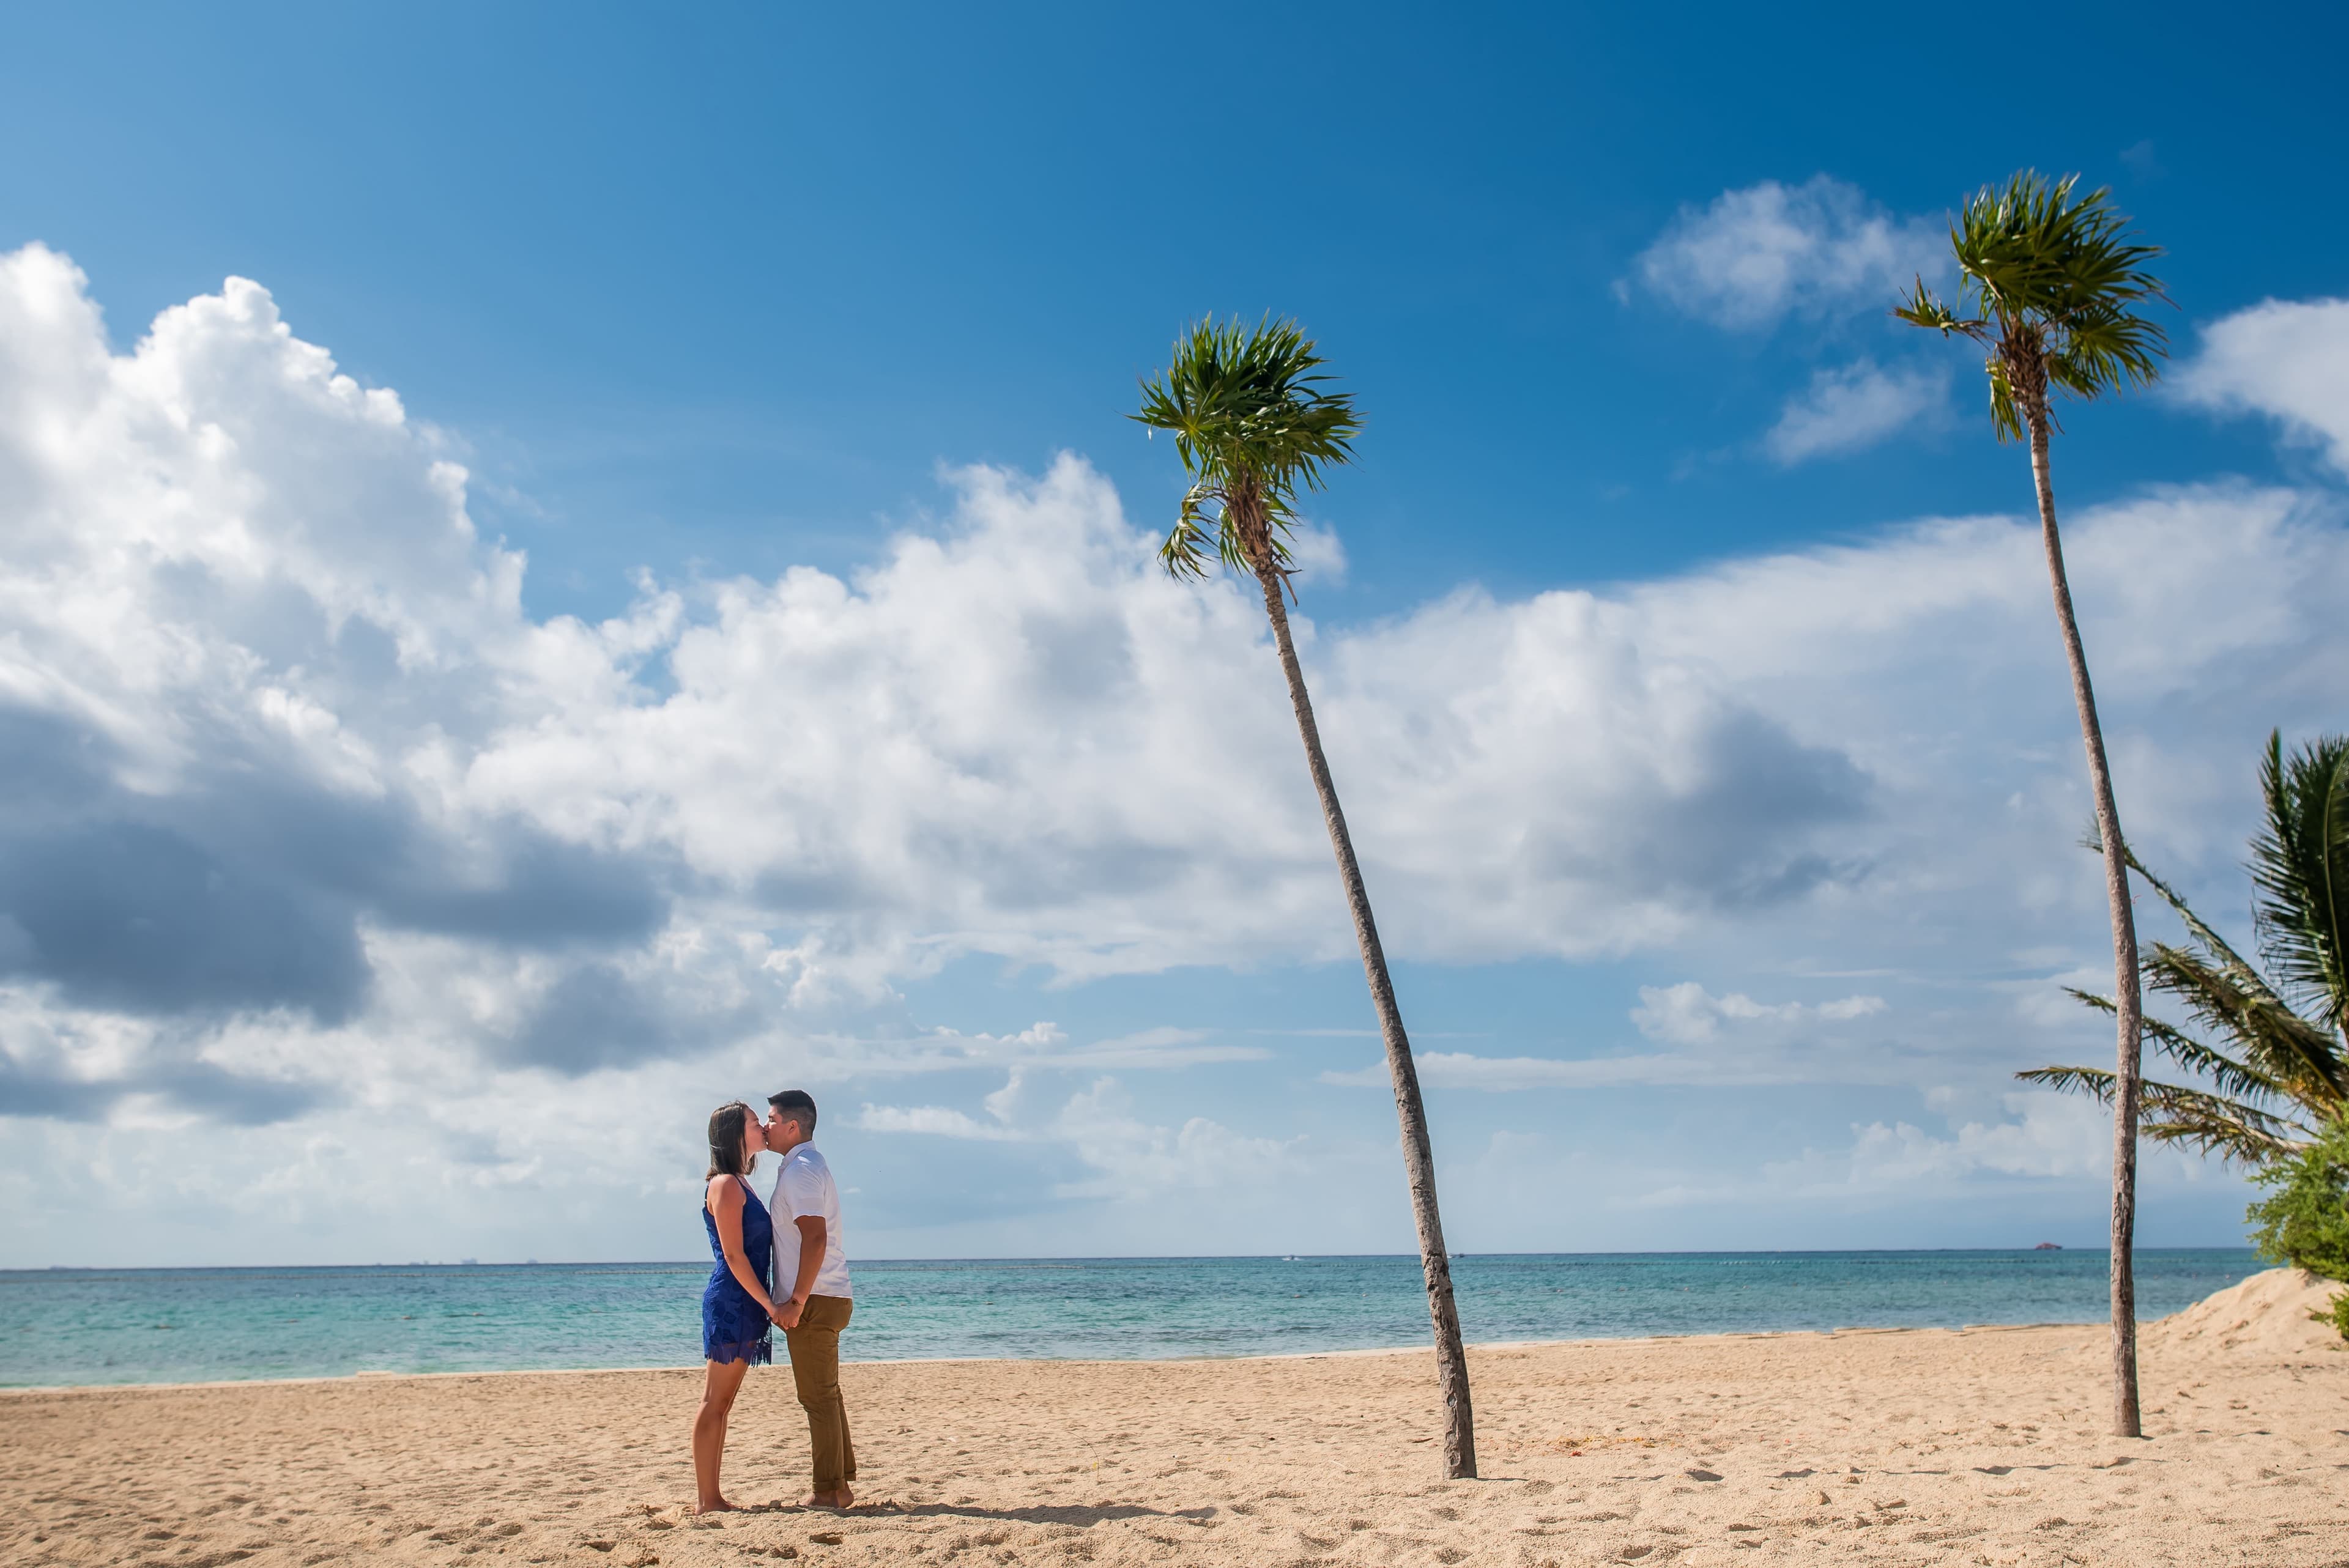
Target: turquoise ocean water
point(176, 1325)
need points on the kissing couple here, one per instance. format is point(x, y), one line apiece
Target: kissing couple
point(782, 1262)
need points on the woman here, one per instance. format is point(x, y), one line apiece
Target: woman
point(735, 1305)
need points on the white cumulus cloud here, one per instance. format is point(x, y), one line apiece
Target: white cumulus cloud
point(2288, 359)
point(2048, 1136)
point(1757, 254)
point(308, 814)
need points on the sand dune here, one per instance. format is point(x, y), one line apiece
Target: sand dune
point(1913, 1446)
point(2266, 1317)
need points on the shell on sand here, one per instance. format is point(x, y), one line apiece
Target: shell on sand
point(2267, 1315)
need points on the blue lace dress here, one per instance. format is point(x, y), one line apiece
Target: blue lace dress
point(733, 1327)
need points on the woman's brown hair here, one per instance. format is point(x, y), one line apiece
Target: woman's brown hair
point(725, 1124)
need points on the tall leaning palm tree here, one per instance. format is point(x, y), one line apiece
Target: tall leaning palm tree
point(1253, 425)
point(2050, 283)
point(2281, 1074)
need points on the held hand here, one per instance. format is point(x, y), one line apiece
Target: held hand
point(788, 1315)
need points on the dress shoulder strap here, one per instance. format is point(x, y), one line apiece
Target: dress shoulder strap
point(747, 1191)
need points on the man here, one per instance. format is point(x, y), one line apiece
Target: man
point(811, 1266)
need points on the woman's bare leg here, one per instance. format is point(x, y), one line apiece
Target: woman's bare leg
point(718, 1390)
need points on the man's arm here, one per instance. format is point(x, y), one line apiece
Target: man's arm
point(812, 1236)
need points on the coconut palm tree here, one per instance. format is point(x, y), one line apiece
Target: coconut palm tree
point(1253, 425)
point(2284, 1075)
point(2049, 283)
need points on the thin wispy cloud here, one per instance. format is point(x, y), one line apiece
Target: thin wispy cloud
point(1847, 407)
point(1687, 1014)
point(1512, 1075)
point(935, 1122)
point(1124, 1154)
point(1717, 1041)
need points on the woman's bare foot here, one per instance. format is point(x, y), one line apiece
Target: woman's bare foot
point(844, 1497)
point(717, 1505)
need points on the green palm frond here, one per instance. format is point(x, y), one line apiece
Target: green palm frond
point(2225, 991)
point(2236, 965)
point(2104, 348)
point(2268, 1034)
point(2051, 283)
point(2173, 1113)
point(2300, 866)
point(1252, 424)
point(2231, 1076)
point(2284, 1070)
point(1925, 310)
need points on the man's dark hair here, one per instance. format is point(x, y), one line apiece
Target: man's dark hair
point(796, 1105)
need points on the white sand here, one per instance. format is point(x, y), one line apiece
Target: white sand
point(1923, 1447)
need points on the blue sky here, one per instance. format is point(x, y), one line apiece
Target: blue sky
point(1682, 738)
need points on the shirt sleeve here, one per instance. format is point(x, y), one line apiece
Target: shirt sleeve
point(801, 1190)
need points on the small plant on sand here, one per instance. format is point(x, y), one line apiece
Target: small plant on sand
point(2050, 283)
point(1253, 424)
point(2304, 1219)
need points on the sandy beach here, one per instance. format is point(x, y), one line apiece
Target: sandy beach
point(1898, 1447)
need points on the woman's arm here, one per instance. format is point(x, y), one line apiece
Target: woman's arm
point(725, 1208)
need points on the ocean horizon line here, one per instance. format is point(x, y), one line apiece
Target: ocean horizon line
point(1047, 1260)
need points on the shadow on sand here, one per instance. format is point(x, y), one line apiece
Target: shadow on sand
point(1044, 1514)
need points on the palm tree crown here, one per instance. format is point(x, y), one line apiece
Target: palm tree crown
point(2050, 283)
point(2285, 1073)
point(1252, 426)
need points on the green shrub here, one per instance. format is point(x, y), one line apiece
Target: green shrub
point(2304, 1219)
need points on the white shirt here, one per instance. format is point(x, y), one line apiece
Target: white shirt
point(803, 1187)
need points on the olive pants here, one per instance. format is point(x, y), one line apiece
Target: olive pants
point(815, 1372)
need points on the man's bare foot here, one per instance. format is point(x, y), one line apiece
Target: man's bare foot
point(717, 1505)
point(844, 1497)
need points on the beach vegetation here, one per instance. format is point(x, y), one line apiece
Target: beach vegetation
point(1256, 425)
point(2303, 1221)
point(2051, 283)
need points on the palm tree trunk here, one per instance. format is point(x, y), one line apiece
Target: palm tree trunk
point(1419, 1157)
point(2129, 1008)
